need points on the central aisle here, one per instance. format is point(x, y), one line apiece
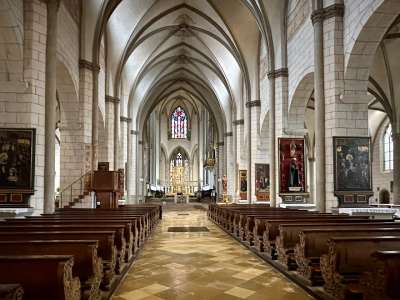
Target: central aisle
point(201, 265)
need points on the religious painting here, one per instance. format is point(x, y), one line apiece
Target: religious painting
point(17, 155)
point(262, 182)
point(352, 164)
point(243, 184)
point(292, 174)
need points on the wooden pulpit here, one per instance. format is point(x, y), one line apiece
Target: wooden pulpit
point(107, 189)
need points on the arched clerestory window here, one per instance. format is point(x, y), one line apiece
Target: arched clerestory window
point(179, 124)
point(388, 149)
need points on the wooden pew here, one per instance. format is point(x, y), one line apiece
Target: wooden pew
point(11, 292)
point(123, 239)
point(313, 243)
point(87, 265)
point(138, 229)
point(106, 248)
point(348, 258)
point(383, 282)
point(289, 235)
point(254, 232)
point(44, 277)
point(266, 230)
point(128, 235)
point(151, 215)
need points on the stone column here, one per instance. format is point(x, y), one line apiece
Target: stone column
point(238, 144)
point(220, 171)
point(396, 165)
point(131, 168)
point(249, 156)
point(254, 111)
point(117, 117)
point(50, 105)
point(319, 96)
point(229, 162)
point(95, 118)
point(139, 173)
point(311, 166)
point(157, 147)
point(272, 140)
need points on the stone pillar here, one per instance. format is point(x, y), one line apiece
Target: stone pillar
point(117, 116)
point(396, 165)
point(200, 151)
point(272, 141)
point(319, 96)
point(157, 147)
point(122, 149)
point(220, 171)
point(111, 103)
point(230, 164)
point(139, 173)
point(254, 118)
point(50, 106)
point(311, 178)
point(95, 118)
point(131, 168)
point(238, 144)
point(249, 147)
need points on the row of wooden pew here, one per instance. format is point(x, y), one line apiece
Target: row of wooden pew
point(350, 257)
point(74, 253)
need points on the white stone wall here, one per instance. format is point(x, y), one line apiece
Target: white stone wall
point(300, 55)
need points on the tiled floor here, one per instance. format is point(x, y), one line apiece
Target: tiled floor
point(201, 265)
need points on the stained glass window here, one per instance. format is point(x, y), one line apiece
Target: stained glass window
point(388, 149)
point(179, 124)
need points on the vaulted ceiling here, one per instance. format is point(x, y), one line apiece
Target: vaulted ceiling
point(208, 49)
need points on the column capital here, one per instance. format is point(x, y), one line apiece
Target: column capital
point(85, 64)
point(125, 119)
point(238, 122)
point(282, 72)
point(111, 99)
point(254, 103)
point(226, 134)
point(334, 10)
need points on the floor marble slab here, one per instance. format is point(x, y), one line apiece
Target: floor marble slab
point(201, 265)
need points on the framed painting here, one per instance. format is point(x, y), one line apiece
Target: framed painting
point(292, 172)
point(262, 182)
point(243, 184)
point(17, 159)
point(352, 164)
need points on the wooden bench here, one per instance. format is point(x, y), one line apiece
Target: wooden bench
point(87, 265)
point(313, 243)
point(106, 248)
point(136, 222)
point(123, 236)
point(383, 282)
point(11, 292)
point(289, 235)
point(266, 230)
point(348, 258)
point(253, 230)
point(44, 277)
